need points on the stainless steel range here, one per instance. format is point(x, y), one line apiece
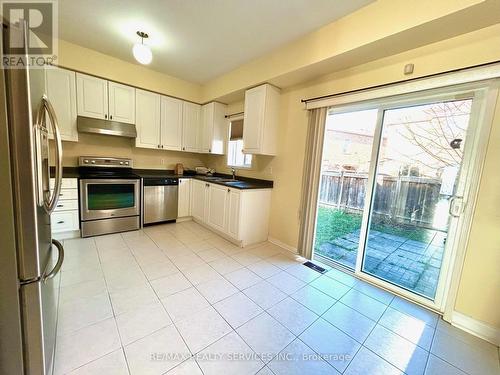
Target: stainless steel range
point(109, 196)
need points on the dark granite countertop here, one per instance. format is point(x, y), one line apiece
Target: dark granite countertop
point(68, 172)
point(153, 173)
point(242, 183)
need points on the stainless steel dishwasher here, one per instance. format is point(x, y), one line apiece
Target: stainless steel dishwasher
point(160, 199)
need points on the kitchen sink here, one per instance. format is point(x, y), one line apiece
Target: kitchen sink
point(219, 179)
point(236, 183)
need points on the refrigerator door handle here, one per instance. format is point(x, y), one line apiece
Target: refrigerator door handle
point(60, 260)
point(49, 202)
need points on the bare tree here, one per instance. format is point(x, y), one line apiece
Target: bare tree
point(433, 135)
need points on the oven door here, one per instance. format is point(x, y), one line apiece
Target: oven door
point(108, 198)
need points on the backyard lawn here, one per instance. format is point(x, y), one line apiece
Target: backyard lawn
point(333, 223)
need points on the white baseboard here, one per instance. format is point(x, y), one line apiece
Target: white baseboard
point(182, 219)
point(283, 245)
point(476, 327)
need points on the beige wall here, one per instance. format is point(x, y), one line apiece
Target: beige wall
point(479, 293)
point(480, 284)
point(85, 60)
point(105, 145)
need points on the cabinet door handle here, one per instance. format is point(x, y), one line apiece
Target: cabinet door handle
point(110, 117)
point(210, 150)
point(105, 116)
point(228, 190)
point(183, 148)
point(60, 222)
point(60, 205)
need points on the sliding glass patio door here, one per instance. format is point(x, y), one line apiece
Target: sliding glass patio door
point(421, 151)
point(347, 150)
point(394, 180)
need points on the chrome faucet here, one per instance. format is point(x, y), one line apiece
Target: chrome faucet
point(233, 172)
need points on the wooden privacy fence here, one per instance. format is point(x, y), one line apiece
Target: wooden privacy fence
point(405, 199)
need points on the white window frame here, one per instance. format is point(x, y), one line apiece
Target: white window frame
point(237, 166)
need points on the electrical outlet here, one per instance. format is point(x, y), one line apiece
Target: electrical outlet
point(162, 161)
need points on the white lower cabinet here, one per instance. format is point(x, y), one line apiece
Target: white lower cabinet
point(184, 196)
point(217, 206)
point(240, 215)
point(65, 221)
point(199, 200)
point(233, 216)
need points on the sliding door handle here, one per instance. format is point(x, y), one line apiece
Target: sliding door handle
point(456, 206)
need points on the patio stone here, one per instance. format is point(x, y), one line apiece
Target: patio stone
point(408, 262)
point(346, 244)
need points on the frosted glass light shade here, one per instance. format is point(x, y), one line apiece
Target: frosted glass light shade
point(142, 53)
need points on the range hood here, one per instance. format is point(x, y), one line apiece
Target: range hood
point(99, 126)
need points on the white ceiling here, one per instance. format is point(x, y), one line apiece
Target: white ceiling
point(196, 40)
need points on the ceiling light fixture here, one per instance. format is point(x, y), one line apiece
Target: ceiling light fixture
point(141, 51)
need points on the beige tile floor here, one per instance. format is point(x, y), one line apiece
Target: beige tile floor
point(178, 299)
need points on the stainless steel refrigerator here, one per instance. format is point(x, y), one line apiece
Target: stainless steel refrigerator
point(29, 258)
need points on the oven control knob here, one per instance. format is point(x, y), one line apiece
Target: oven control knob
point(92, 161)
point(126, 163)
point(86, 161)
point(121, 163)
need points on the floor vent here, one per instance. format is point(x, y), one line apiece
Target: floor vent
point(314, 267)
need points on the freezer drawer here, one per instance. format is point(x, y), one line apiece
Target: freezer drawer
point(160, 203)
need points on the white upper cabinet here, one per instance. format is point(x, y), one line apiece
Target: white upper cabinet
point(190, 127)
point(171, 123)
point(147, 119)
point(98, 98)
point(121, 103)
point(214, 128)
point(92, 96)
point(61, 91)
point(261, 120)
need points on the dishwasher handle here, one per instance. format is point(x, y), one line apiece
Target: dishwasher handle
point(161, 181)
